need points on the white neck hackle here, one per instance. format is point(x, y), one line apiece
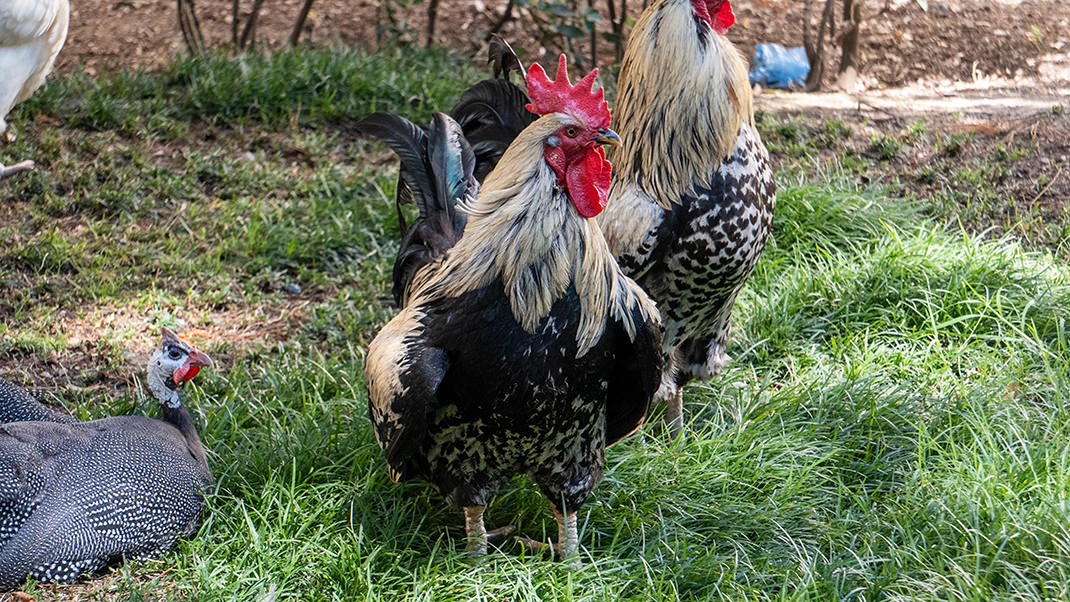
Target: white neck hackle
point(682, 97)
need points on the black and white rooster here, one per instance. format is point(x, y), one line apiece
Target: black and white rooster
point(521, 347)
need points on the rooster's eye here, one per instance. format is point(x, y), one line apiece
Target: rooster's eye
point(174, 354)
point(571, 132)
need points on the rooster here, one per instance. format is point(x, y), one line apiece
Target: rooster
point(522, 348)
point(31, 35)
point(693, 195)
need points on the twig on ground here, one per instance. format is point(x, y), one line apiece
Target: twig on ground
point(1053, 180)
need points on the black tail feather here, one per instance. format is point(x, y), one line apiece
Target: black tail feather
point(502, 58)
point(436, 173)
point(446, 163)
point(409, 143)
point(492, 113)
point(453, 162)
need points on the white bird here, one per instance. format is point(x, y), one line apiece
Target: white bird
point(31, 35)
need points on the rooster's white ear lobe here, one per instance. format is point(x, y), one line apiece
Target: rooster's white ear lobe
point(168, 334)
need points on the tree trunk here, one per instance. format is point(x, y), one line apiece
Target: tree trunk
point(852, 10)
point(248, 35)
point(295, 35)
point(815, 49)
point(432, 16)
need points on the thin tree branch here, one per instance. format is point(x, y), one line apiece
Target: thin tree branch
point(295, 35)
point(249, 33)
point(190, 27)
point(235, 17)
point(505, 18)
point(432, 16)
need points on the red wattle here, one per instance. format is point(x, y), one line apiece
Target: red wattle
point(724, 18)
point(588, 182)
point(184, 373)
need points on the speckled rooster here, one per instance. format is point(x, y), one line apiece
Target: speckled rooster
point(522, 347)
point(693, 195)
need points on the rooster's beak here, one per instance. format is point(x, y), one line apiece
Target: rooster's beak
point(607, 136)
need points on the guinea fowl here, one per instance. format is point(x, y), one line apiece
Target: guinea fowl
point(32, 33)
point(77, 497)
point(522, 348)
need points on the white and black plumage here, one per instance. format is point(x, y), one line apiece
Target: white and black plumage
point(523, 349)
point(32, 33)
point(693, 193)
point(77, 497)
point(17, 405)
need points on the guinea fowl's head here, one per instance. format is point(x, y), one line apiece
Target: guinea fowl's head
point(172, 364)
point(573, 150)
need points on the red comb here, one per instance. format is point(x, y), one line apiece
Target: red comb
point(560, 96)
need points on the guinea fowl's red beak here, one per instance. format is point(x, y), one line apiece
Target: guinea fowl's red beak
point(193, 365)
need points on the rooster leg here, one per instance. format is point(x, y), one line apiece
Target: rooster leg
point(477, 532)
point(674, 413)
point(568, 536)
point(16, 168)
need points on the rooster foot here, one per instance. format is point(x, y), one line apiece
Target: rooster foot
point(545, 549)
point(568, 541)
point(499, 535)
point(16, 168)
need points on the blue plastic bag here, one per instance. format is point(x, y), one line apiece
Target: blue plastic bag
point(779, 67)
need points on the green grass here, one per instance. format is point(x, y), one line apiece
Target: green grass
point(894, 426)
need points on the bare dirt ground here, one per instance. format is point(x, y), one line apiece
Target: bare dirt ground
point(970, 129)
point(961, 64)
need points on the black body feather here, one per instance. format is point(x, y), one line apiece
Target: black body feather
point(484, 400)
